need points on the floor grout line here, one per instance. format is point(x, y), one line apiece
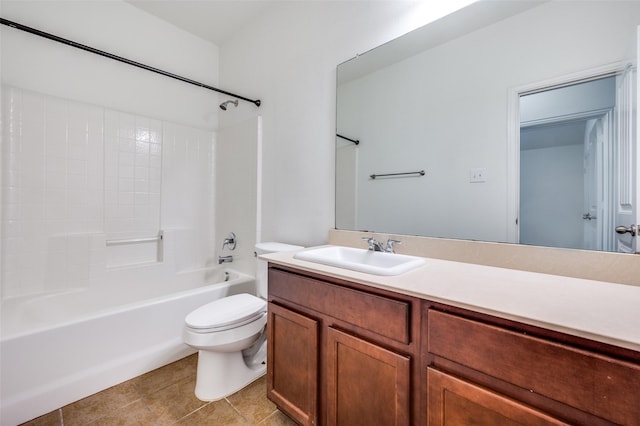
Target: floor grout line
point(116, 406)
point(234, 408)
point(192, 412)
point(146, 406)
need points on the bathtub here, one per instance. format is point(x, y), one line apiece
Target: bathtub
point(59, 347)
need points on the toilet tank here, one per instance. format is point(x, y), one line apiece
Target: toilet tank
point(261, 267)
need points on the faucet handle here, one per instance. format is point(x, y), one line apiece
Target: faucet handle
point(230, 241)
point(390, 243)
point(371, 241)
point(374, 245)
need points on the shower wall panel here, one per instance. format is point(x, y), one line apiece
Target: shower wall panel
point(133, 175)
point(51, 191)
point(75, 176)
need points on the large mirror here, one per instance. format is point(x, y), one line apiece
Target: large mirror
point(505, 121)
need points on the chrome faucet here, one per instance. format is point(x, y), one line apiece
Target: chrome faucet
point(375, 245)
point(225, 259)
point(389, 246)
point(230, 241)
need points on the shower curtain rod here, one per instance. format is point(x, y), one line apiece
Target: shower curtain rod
point(357, 142)
point(121, 59)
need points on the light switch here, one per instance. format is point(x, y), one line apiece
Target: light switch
point(478, 175)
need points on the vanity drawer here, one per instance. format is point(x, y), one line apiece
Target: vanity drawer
point(384, 316)
point(590, 382)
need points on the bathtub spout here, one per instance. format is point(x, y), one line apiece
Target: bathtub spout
point(225, 259)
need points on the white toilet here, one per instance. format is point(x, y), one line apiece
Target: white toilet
point(230, 335)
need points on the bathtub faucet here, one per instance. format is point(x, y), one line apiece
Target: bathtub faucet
point(225, 259)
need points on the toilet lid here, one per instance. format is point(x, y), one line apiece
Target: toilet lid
point(229, 310)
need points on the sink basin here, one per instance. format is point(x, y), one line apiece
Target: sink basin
point(361, 260)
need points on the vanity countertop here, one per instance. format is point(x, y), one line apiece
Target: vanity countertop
point(596, 310)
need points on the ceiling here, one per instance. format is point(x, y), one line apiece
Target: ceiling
point(212, 20)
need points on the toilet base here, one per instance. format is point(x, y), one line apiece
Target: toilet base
point(221, 374)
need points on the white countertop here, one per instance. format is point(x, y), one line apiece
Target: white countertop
point(600, 311)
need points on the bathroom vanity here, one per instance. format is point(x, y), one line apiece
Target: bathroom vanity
point(350, 348)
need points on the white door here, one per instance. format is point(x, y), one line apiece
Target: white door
point(626, 215)
point(592, 213)
point(597, 184)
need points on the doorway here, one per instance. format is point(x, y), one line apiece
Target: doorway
point(568, 138)
point(564, 177)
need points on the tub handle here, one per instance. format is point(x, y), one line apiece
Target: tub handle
point(230, 241)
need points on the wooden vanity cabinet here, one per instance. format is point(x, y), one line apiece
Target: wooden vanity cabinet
point(483, 370)
point(340, 353)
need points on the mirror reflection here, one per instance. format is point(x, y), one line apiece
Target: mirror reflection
point(520, 115)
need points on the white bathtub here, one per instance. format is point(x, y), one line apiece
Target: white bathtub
point(61, 347)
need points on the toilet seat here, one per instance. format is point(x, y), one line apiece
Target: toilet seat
point(226, 313)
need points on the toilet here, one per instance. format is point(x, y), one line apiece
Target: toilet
point(230, 335)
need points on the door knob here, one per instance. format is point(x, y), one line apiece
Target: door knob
point(633, 229)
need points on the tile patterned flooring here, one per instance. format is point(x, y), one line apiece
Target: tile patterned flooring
point(165, 397)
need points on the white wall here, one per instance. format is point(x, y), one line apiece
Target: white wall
point(552, 196)
point(346, 185)
point(44, 66)
point(236, 189)
point(288, 59)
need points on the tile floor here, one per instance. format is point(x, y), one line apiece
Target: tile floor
point(165, 397)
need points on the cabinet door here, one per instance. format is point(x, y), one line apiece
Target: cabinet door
point(453, 402)
point(596, 384)
point(366, 384)
point(292, 363)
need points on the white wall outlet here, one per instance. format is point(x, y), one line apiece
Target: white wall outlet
point(477, 175)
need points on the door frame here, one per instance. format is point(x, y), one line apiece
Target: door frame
point(513, 131)
point(605, 161)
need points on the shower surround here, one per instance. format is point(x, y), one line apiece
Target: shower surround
point(101, 205)
point(77, 176)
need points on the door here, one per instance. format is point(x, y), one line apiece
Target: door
point(598, 178)
point(610, 188)
point(591, 211)
point(292, 363)
point(626, 185)
point(564, 163)
point(366, 384)
point(456, 402)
